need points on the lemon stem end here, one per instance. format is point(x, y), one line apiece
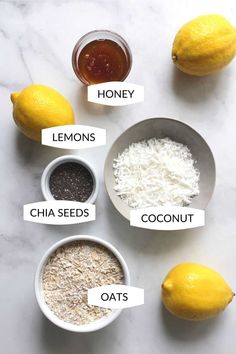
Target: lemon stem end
point(174, 58)
point(14, 96)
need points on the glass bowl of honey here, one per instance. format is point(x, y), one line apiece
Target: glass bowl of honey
point(101, 56)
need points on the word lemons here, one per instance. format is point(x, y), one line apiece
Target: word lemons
point(204, 45)
point(37, 107)
point(195, 292)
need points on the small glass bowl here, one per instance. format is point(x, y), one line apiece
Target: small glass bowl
point(98, 35)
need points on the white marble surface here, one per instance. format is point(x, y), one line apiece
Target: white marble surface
point(36, 40)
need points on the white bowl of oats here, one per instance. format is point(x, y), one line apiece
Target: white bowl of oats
point(65, 273)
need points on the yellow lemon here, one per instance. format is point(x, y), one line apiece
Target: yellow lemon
point(204, 45)
point(37, 107)
point(195, 292)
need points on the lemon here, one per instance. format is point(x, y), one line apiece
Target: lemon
point(37, 107)
point(204, 45)
point(195, 292)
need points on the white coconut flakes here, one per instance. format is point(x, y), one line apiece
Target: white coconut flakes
point(156, 172)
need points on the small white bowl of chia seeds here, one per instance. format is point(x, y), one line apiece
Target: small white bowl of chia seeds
point(71, 178)
point(67, 270)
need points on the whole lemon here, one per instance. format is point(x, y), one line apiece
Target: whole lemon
point(195, 292)
point(37, 107)
point(204, 45)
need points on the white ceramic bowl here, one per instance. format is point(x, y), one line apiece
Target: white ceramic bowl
point(162, 128)
point(96, 325)
point(63, 159)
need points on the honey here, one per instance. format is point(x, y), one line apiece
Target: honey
point(102, 60)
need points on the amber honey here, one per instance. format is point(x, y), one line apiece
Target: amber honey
point(102, 60)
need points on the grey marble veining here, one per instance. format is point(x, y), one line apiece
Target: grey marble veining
point(36, 41)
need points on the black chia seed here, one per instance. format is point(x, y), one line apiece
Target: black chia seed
point(71, 181)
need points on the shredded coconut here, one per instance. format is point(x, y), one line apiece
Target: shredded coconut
point(156, 172)
point(70, 272)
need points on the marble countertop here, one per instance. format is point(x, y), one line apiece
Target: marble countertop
point(36, 41)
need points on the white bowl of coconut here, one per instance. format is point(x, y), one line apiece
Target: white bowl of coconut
point(159, 162)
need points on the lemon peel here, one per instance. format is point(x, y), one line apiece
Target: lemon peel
point(37, 107)
point(204, 45)
point(195, 292)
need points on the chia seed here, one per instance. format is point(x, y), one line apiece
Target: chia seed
point(71, 181)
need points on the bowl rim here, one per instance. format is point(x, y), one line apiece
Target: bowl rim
point(152, 119)
point(96, 325)
point(63, 159)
